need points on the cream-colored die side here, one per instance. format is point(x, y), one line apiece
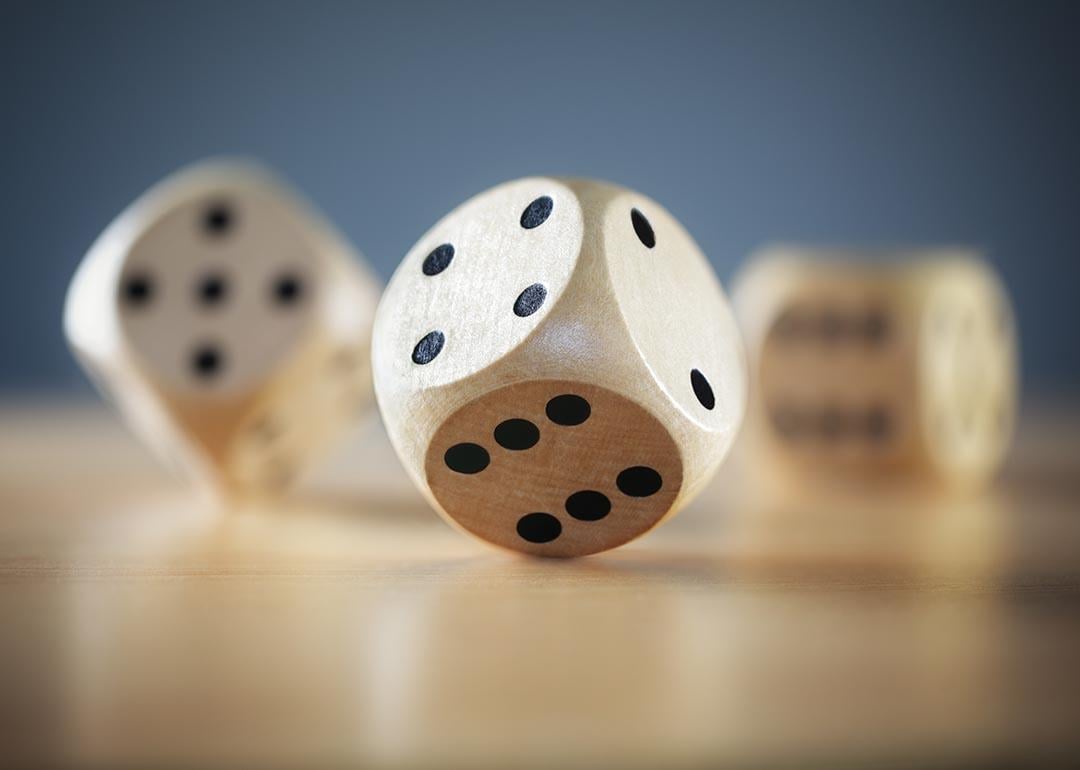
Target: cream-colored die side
point(285, 429)
point(851, 371)
point(680, 324)
point(580, 333)
point(967, 367)
point(212, 296)
point(326, 389)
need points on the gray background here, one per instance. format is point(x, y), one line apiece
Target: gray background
point(818, 122)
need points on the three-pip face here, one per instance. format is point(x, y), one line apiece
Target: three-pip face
point(546, 291)
point(217, 311)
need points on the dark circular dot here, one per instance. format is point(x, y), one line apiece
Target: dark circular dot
point(639, 481)
point(833, 422)
point(539, 527)
point(588, 505)
point(702, 389)
point(788, 422)
point(790, 324)
point(833, 326)
point(530, 300)
point(643, 229)
point(429, 346)
point(138, 290)
point(212, 290)
point(466, 458)
point(537, 212)
point(516, 434)
point(207, 361)
point(218, 218)
point(875, 327)
point(438, 260)
point(288, 289)
point(878, 423)
point(568, 409)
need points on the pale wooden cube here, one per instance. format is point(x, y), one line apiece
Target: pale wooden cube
point(557, 366)
point(230, 324)
point(902, 363)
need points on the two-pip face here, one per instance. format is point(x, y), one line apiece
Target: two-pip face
point(546, 289)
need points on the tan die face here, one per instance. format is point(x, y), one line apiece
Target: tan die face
point(690, 339)
point(274, 440)
point(554, 468)
point(218, 291)
point(967, 369)
point(832, 373)
point(496, 264)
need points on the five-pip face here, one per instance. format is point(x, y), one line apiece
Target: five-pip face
point(218, 290)
point(229, 322)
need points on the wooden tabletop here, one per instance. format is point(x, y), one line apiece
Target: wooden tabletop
point(348, 625)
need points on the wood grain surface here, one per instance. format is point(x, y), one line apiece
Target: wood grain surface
point(350, 626)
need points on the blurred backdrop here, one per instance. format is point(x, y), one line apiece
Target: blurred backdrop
point(817, 122)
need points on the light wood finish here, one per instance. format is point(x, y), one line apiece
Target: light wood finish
point(291, 370)
point(627, 309)
point(347, 626)
point(906, 363)
point(538, 482)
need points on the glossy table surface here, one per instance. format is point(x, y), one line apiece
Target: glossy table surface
point(347, 625)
